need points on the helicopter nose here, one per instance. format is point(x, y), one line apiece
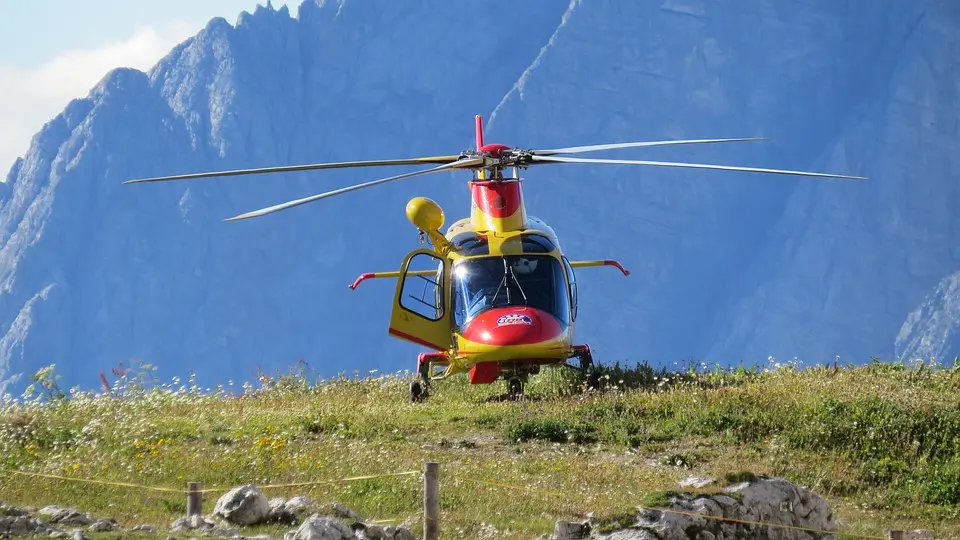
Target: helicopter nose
point(513, 326)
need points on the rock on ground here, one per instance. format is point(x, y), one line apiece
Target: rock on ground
point(50, 521)
point(571, 530)
point(65, 516)
point(318, 527)
point(102, 525)
point(244, 505)
point(916, 534)
point(23, 525)
point(702, 517)
point(288, 511)
point(191, 523)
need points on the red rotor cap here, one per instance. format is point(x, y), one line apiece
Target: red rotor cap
point(494, 149)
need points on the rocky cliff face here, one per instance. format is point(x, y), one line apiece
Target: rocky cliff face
point(727, 266)
point(932, 331)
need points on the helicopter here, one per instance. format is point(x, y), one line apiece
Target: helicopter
point(494, 296)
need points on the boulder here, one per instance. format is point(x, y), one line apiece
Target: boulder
point(23, 525)
point(288, 511)
point(65, 516)
point(245, 505)
point(318, 527)
point(191, 523)
point(571, 530)
point(102, 525)
point(708, 516)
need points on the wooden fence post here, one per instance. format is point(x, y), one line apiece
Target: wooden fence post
point(431, 501)
point(194, 499)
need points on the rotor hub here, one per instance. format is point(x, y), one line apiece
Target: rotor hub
point(497, 157)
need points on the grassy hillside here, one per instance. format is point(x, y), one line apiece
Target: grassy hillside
point(881, 442)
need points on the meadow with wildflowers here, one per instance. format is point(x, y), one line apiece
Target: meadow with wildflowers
point(880, 441)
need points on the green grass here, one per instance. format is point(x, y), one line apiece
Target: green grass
point(881, 442)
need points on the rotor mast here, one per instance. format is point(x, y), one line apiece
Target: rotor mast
point(496, 201)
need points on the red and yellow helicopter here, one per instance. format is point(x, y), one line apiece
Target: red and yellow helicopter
point(495, 296)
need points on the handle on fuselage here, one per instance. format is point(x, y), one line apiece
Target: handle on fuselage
point(604, 262)
point(393, 274)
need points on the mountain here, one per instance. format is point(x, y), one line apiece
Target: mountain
point(727, 267)
point(931, 330)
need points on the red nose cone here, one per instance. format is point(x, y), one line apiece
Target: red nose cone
point(512, 326)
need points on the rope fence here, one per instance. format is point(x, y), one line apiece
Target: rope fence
point(208, 490)
point(431, 498)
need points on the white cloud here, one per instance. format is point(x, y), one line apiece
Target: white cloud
point(33, 96)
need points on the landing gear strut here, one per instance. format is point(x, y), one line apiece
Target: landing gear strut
point(514, 388)
point(420, 389)
point(587, 367)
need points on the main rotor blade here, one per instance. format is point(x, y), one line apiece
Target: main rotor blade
point(290, 168)
point(614, 146)
point(465, 163)
point(542, 159)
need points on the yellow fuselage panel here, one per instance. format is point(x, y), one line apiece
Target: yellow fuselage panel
point(472, 352)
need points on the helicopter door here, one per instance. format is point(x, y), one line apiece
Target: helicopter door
point(572, 282)
point(421, 313)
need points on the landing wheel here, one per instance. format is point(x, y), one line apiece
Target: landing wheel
point(514, 389)
point(593, 379)
point(589, 370)
point(420, 389)
point(417, 392)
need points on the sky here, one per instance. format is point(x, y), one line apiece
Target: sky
point(52, 51)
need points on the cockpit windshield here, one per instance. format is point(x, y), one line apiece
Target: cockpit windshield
point(535, 281)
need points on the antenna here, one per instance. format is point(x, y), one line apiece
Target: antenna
point(479, 132)
point(481, 174)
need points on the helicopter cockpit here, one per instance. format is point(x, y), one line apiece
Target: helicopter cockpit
point(535, 281)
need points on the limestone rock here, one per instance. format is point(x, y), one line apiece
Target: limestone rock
point(344, 511)
point(65, 516)
point(702, 517)
point(570, 530)
point(399, 533)
point(697, 482)
point(18, 524)
point(222, 532)
point(377, 532)
point(6, 510)
point(318, 527)
point(916, 534)
point(276, 511)
point(191, 523)
point(244, 505)
point(298, 504)
point(288, 511)
point(102, 525)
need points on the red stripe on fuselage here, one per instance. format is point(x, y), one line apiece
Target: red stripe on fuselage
point(497, 199)
point(414, 339)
